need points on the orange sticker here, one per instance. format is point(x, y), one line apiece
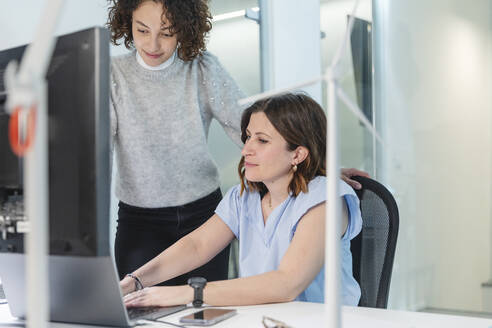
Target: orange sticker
point(18, 146)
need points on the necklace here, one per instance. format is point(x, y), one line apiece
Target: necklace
point(269, 200)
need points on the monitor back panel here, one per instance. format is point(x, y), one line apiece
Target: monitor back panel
point(78, 124)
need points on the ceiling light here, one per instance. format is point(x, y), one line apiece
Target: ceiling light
point(232, 14)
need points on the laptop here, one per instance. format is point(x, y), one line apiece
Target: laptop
point(82, 290)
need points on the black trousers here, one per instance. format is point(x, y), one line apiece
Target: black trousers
point(143, 233)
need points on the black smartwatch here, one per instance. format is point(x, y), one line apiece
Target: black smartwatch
point(197, 283)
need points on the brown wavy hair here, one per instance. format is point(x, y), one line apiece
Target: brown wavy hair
point(301, 122)
point(190, 20)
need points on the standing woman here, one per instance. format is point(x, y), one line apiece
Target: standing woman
point(164, 95)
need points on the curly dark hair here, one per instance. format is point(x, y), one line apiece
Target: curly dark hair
point(190, 20)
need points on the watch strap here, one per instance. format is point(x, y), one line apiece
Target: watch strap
point(198, 297)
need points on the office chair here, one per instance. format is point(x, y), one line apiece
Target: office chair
point(373, 250)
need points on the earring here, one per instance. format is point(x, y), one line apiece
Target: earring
point(294, 168)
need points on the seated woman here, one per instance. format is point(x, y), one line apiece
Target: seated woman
point(277, 213)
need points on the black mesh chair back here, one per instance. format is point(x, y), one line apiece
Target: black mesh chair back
point(373, 250)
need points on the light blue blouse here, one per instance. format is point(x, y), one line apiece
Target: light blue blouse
point(262, 246)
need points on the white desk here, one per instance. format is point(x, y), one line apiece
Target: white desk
point(301, 314)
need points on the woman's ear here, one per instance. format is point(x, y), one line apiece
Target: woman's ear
point(300, 154)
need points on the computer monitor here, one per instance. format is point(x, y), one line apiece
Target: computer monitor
point(361, 47)
point(78, 132)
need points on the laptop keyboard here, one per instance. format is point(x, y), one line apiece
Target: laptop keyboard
point(152, 313)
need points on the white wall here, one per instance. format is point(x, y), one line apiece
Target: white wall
point(290, 37)
point(19, 19)
point(431, 59)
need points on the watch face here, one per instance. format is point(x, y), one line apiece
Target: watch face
point(197, 282)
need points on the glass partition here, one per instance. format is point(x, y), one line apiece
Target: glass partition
point(429, 97)
point(234, 39)
point(432, 62)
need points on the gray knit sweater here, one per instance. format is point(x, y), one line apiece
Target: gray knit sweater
point(159, 127)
